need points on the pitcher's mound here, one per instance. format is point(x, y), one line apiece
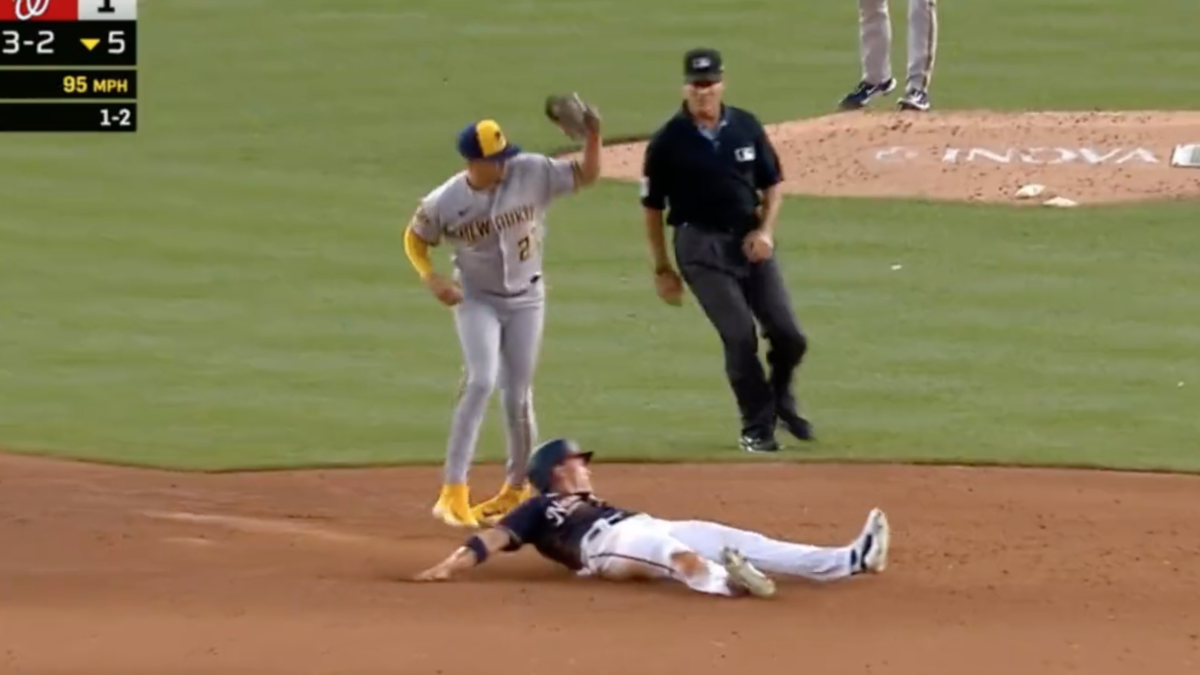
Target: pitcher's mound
point(1088, 157)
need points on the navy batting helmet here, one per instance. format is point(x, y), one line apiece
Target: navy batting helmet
point(549, 455)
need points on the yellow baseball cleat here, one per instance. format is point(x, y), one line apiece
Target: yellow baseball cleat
point(491, 511)
point(454, 507)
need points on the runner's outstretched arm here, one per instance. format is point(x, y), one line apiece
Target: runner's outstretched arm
point(472, 553)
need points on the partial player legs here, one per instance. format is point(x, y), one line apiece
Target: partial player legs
point(733, 577)
point(699, 573)
point(818, 563)
point(875, 40)
point(521, 428)
point(522, 434)
point(479, 336)
point(922, 44)
point(520, 345)
point(875, 45)
point(922, 48)
point(641, 548)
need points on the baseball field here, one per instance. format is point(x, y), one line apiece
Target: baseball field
point(217, 313)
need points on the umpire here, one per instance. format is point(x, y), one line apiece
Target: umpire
point(716, 169)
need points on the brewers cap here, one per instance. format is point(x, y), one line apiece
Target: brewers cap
point(703, 65)
point(485, 140)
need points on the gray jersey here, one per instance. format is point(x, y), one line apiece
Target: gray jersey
point(497, 235)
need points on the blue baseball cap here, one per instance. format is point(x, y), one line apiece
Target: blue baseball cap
point(549, 455)
point(485, 140)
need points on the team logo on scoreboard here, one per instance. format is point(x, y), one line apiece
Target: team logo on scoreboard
point(31, 9)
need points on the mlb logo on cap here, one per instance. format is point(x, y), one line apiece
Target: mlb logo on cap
point(485, 140)
point(703, 65)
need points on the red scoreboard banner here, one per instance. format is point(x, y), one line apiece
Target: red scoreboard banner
point(68, 10)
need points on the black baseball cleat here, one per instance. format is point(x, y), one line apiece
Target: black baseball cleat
point(864, 92)
point(796, 425)
point(758, 443)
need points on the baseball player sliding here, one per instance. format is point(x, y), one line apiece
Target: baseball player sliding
point(875, 46)
point(569, 525)
point(493, 214)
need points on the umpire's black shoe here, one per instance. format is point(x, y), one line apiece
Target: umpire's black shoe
point(796, 425)
point(758, 443)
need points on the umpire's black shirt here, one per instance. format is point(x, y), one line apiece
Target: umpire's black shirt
point(710, 179)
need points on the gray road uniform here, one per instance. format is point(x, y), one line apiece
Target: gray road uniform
point(497, 240)
point(875, 42)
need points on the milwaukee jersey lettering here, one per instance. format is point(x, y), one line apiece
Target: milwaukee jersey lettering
point(497, 235)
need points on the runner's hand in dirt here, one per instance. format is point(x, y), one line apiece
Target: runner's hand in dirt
point(439, 572)
point(465, 557)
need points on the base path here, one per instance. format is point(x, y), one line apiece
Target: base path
point(1087, 157)
point(994, 572)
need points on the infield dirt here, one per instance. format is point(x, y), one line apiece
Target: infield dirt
point(1088, 157)
point(994, 572)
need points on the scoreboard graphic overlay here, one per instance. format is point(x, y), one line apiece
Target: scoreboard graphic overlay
point(68, 65)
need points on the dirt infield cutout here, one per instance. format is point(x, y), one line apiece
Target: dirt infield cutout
point(1087, 157)
point(993, 572)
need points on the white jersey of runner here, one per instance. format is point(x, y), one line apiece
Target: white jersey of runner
point(497, 234)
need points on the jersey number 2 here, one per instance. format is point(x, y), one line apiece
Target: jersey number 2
point(525, 247)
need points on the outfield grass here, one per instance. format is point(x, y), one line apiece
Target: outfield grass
point(226, 288)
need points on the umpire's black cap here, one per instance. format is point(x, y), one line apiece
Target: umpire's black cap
point(549, 455)
point(703, 64)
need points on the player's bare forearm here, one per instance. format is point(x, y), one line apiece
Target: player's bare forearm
point(590, 166)
point(656, 239)
point(465, 557)
point(772, 203)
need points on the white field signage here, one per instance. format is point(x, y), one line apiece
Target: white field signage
point(1045, 155)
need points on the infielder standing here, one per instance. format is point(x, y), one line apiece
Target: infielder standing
point(875, 46)
point(493, 214)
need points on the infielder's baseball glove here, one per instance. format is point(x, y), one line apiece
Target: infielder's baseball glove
point(572, 114)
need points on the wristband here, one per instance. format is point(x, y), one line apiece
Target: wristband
point(478, 547)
